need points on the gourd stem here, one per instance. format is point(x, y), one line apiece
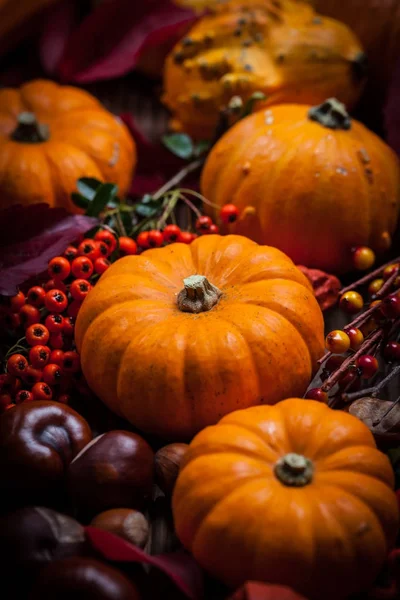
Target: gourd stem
point(331, 114)
point(198, 295)
point(294, 470)
point(29, 130)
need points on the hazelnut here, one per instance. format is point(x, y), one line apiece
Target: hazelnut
point(126, 523)
point(167, 464)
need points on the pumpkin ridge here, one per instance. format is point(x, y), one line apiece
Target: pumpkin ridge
point(263, 436)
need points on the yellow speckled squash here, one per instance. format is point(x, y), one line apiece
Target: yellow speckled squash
point(177, 337)
point(294, 494)
point(308, 180)
point(283, 49)
point(50, 136)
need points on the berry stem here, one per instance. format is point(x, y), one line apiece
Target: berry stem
point(372, 391)
point(171, 200)
point(336, 375)
point(369, 277)
point(190, 204)
point(178, 177)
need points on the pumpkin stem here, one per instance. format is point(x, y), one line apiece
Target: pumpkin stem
point(331, 114)
point(198, 295)
point(294, 470)
point(29, 130)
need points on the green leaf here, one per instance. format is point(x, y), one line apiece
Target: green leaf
point(147, 210)
point(87, 187)
point(201, 147)
point(105, 193)
point(146, 199)
point(126, 221)
point(179, 144)
point(79, 200)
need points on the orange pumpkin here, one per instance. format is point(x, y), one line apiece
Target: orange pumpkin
point(295, 494)
point(283, 49)
point(50, 136)
point(308, 180)
point(179, 336)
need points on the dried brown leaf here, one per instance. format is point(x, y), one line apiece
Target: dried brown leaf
point(375, 413)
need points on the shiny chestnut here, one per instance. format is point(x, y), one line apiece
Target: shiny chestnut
point(115, 470)
point(83, 579)
point(37, 442)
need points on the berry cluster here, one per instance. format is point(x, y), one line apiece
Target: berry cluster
point(355, 351)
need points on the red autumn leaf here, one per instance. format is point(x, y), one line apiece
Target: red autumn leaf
point(255, 590)
point(110, 40)
point(30, 236)
point(326, 286)
point(60, 23)
point(392, 115)
point(179, 566)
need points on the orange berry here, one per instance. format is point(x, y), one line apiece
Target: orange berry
point(337, 341)
point(363, 258)
point(351, 302)
point(375, 286)
point(356, 337)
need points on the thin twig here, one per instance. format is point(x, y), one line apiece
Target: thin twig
point(190, 205)
point(372, 391)
point(178, 177)
point(120, 224)
point(369, 277)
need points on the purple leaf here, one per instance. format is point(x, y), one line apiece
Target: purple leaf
point(111, 39)
point(392, 112)
point(58, 27)
point(30, 236)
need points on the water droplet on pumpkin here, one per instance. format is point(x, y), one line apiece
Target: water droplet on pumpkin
point(341, 171)
point(317, 174)
point(269, 117)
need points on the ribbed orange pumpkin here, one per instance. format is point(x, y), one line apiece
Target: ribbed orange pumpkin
point(295, 494)
point(177, 337)
point(50, 136)
point(283, 49)
point(309, 181)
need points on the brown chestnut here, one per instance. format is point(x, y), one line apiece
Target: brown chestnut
point(167, 464)
point(116, 469)
point(128, 523)
point(33, 536)
point(83, 579)
point(37, 442)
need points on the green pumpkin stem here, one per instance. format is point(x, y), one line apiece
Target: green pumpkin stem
point(294, 470)
point(331, 114)
point(29, 130)
point(198, 295)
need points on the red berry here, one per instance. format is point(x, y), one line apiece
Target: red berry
point(171, 233)
point(32, 375)
point(29, 315)
point(391, 351)
point(71, 362)
point(54, 322)
point(368, 366)
point(42, 391)
point(350, 382)
point(52, 374)
point(107, 238)
point(37, 335)
point(390, 306)
point(356, 337)
point(70, 253)
point(64, 399)
point(156, 238)
point(143, 239)
point(351, 302)
point(36, 296)
point(17, 302)
point(363, 258)
point(229, 213)
point(203, 224)
point(185, 237)
point(7, 383)
point(101, 265)
point(213, 229)
point(54, 284)
point(79, 289)
point(316, 393)
point(59, 268)
point(82, 267)
point(23, 396)
point(56, 301)
point(337, 341)
point(17, 364)
point(5, 402)
point(57, 357)
point(103, 250)
point(39, 356)
point(68, 326)
point(89, 248)
point(73, 309)
point(56, 340)
point(389, 270)
point(333, 363)
point(9, 319)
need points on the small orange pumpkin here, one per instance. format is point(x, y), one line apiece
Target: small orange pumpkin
point(308, 180)
point(50, 136)
point(283, 49)
point(295, 494)
point(177, 337)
